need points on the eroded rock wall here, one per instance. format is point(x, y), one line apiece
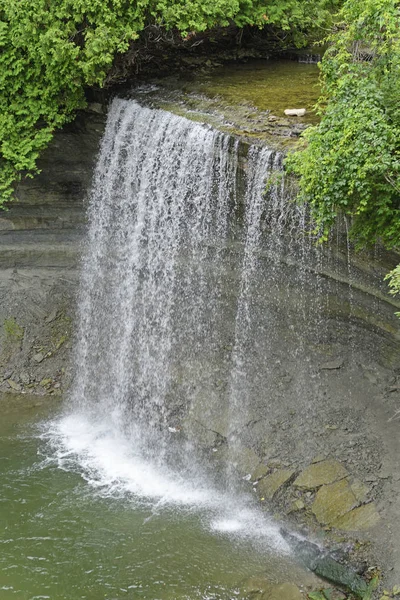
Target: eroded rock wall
point(40, 245)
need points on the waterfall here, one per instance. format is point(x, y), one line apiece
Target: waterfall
point(165, 320)
point(161, 211)
point(162, 194)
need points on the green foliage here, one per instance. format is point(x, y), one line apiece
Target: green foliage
point(322, 595)
point(51, 49)
point(393, 279)
point(395, 593)
point(12, 330)
point(351, 161)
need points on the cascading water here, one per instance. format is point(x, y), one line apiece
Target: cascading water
point(167, 198)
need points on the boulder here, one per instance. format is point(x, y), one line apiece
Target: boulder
point(333, 501)
point(364, 517)
point(259, 472)
point(322, 473)
point(254, 585)
point(295, 112)
point(268, 486)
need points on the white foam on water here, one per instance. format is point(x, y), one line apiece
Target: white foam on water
point(107, 459)
point(227, 525)
point(111, 463)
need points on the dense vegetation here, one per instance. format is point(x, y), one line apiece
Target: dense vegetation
point(51, 49)
point(351, 160)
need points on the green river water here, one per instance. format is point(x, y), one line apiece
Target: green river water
point(62, 538)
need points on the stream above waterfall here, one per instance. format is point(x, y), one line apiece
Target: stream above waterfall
point(246, 99)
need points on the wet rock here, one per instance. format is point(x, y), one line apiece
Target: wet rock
point(371, 377)
point(332, 365)
point(295, 112)
point(325, 566)
point(385, 473)
point(24, 378)
point(298, 505)
point(95, 107)
point(259, 472)
point(14, 385)
point(246, 460)
point(318, 458)
point(268, 486)
point(364, 517)
point(394, 388)
point(7, 374)
point(284, 591)
point(333, 501)
point(360, 490)
point(52, 316)
point(38, 358)
point(371, 479)
point(322, 473)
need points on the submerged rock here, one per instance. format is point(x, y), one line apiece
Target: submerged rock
point(284, 591)
point(325, 566)
point(258, 587)
point(254, 586)
point(322, 473)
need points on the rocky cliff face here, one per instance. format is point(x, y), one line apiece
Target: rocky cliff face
point(40, 245)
